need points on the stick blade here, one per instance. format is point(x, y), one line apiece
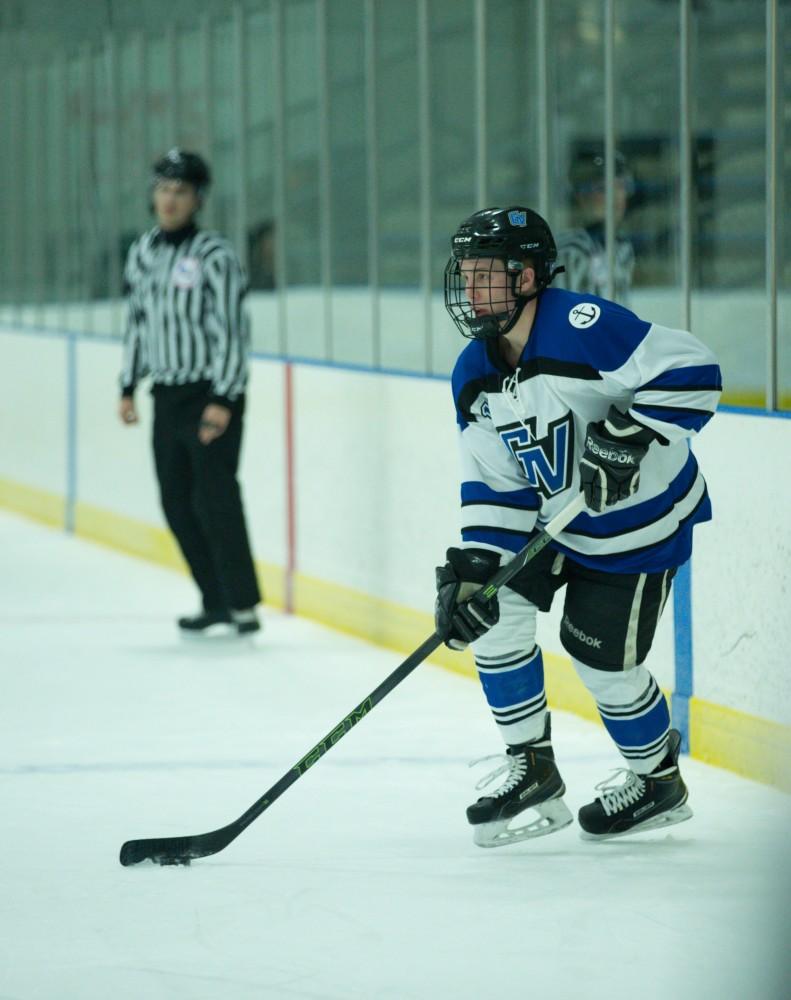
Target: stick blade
point(172, 850)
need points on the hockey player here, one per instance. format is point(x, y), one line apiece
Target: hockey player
point(560, 392)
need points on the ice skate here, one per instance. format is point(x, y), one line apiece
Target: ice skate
point(208, 624)
point(531, 796)
point(246, 621)
point(641, 802)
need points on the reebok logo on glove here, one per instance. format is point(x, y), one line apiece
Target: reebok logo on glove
point(609, 454)
point(610, 464)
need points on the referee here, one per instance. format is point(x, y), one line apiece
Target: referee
point(583, 250)
point(188, 332)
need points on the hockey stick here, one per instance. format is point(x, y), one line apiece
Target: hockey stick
point(182, 850)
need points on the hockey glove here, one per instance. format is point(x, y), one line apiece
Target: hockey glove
point(610, 464)
point(460, 616)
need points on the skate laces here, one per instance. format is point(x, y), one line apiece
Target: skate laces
point(618, 797)
point(515, 766)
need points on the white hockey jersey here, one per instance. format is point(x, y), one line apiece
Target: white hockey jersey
point(522, 433)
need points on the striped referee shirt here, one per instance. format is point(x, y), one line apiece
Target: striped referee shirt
point(583, 253)
point(186, 320)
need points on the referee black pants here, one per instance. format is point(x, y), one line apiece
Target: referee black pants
point(201, 498)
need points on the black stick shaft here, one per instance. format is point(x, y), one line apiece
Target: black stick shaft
point(175, 849)
point(335, 735)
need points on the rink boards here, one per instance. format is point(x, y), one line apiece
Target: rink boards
point(350, 482)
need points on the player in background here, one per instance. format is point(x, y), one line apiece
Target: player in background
point(559, 392)
point(187, 330)
point(582, 250)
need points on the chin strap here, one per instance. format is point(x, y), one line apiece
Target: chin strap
point(481, 328)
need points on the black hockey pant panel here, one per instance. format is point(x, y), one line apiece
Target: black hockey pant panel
point(610, 619)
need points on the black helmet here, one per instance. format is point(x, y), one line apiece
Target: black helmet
point(587, 171)
point(178, 165)
point(512, 235)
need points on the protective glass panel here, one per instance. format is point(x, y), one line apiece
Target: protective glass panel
point(102, 260)
point(351, 319)
point(7, 285)
point(16, 205)
point(511, 105)
point(783, 207)
point(575, 37)
point(729, 232)
point(135, 157)
point(647, 166)
point(191, 87)
point(305, 320)
point(452, 155)
point(262, 156)
point(223, 128)
point(77, 194)
point(159, 97)
point(401, 312)
point(32, 183)
point(261, 152)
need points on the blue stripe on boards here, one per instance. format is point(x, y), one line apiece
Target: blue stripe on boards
point(682, 630)
point(476, 492)
point(511, 687)
point(694, 377)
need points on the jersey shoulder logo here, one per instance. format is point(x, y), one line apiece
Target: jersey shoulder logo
point(187, 273)
point(584, 315)
point(547, 462)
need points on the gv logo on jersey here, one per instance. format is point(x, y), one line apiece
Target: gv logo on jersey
point(546, 462)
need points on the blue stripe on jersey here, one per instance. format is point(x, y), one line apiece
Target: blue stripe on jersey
point(630, 734)
point(693, 377)
point(477, 492)
point(512, 687)
point(667, 554)
point(617, 521)
point(691, 420)
point(473, 363)
point(511, 541)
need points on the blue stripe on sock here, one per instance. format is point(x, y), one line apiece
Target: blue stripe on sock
point(635, 733)
point(513, 687)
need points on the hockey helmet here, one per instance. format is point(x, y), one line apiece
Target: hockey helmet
point(516, 236)
point(588, 169)
point(178, 165)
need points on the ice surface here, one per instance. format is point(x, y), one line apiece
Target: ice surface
point(362, 881)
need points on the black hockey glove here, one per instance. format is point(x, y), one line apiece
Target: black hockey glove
point(610, 464)
point(460, 616)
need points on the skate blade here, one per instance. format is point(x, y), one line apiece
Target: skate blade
point(677, 815)
point(553, 816)
point(214, 633)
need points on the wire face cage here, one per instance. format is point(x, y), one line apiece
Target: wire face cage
point(481, 294)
